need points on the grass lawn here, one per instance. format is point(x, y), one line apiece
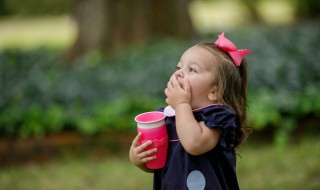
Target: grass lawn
point(261, 167)
point(294, 167)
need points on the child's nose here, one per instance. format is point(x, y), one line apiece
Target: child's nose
point(179, 73)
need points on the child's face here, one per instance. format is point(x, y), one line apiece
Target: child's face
point(197, 65)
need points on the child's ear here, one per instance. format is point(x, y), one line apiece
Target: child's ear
point(213, 95)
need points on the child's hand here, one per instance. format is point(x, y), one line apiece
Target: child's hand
point(137, 154)
point(177, 94)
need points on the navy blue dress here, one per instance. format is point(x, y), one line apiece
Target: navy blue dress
point(215, 169)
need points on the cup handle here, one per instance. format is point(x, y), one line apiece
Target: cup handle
point(158, 142)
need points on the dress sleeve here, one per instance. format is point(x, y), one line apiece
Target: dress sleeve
point(224, 119)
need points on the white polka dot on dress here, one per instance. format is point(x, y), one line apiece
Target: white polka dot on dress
point(196, 180)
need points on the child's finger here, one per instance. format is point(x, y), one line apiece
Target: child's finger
point(147, 159)
point(186, 85)
point(147, 153)
point(145, 145)
point(136, 140)
point(166, 92)
point(175, 82)
point(169, 85)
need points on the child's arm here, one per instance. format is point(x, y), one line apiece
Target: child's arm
point(195, 137)
point(138, 156)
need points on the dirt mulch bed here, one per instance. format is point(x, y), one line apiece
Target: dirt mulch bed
point(41, 150)
point(16, 151)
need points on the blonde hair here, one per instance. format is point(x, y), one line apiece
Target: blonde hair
point(231, 82)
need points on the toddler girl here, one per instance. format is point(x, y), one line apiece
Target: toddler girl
point(208, 95)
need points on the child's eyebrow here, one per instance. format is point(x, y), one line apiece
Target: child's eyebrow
point(195, 63)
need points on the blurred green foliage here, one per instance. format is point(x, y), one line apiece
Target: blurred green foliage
point(284, 83)
point(41, 95)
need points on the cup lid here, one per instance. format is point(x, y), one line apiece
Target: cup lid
point(150, 117)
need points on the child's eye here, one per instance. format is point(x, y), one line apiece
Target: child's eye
point(178, 68)
point(192, 70)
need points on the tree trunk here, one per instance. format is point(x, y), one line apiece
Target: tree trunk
point(307, 9)
point(109, 25)
point(252, 6)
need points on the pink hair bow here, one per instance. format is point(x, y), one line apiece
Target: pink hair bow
point(226, 45)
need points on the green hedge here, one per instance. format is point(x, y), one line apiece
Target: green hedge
point(40, 95)
point(284, 80)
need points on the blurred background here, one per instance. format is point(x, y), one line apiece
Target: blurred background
point(74, 73)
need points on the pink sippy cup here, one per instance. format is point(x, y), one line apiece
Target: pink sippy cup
point(152, 126)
